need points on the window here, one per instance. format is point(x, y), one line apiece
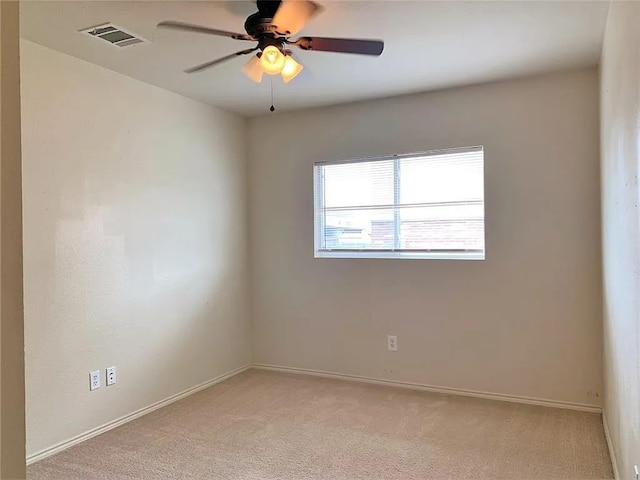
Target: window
point(428, 205)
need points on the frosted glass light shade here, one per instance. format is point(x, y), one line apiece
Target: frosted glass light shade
point(253, 69)
point(272, 60)
point(291, 69)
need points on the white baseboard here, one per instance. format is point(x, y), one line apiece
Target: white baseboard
point(431, 388)
point(612, 452)
point(47, 452)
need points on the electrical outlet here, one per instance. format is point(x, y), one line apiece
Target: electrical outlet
point(392, 343)
point(636, 472)
point(111, 375)
point(94, 380)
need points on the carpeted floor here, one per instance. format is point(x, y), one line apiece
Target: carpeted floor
point(266, 425)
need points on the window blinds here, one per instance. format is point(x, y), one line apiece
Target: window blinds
point(430, 202)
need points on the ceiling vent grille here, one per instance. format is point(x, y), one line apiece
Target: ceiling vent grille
point(114, 35)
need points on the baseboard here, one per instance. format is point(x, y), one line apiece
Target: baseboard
point(612, 452)
point(47, 452)
point(432, 388)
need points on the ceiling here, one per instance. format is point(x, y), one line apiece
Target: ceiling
point(428, 45)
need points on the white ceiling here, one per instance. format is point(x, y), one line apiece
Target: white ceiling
point(428, 45)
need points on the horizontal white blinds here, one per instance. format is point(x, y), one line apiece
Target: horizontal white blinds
point(427, 202)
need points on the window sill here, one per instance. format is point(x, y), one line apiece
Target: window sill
point(401, 255)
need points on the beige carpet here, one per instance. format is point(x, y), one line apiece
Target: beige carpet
point(265, 425)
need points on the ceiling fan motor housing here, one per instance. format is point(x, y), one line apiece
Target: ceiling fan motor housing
point(260, 23)
point(257, 25)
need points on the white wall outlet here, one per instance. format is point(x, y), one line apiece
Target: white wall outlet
point(111, 376)
point(94, 380)
point(392, 343)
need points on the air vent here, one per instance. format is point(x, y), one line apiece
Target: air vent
point(114, 35)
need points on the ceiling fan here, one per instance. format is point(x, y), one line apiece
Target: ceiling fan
point(272, 26)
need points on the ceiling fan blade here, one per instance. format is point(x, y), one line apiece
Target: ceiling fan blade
point(341, 45)
point(187, 27)
point(293, 15)
point(199, 68)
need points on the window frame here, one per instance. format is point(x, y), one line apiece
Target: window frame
point(429, 254)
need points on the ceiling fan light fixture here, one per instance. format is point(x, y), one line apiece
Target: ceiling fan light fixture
point(272, 60)
point(291, 69)
point(272, 27)
point(253, 69)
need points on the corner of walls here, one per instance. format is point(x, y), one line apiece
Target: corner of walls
point(612, 451)
point(248, 236)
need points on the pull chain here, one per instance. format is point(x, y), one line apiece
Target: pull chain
point(272, 108)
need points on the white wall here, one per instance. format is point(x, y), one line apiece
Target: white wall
point(620, 107)
point(527, 321)
point(134, 243)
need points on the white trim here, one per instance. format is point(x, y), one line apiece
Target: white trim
point(437, 389)
point(438, 152)
point(400, 254)
point(59, 447)
point(47, 452)
point(612, 452)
